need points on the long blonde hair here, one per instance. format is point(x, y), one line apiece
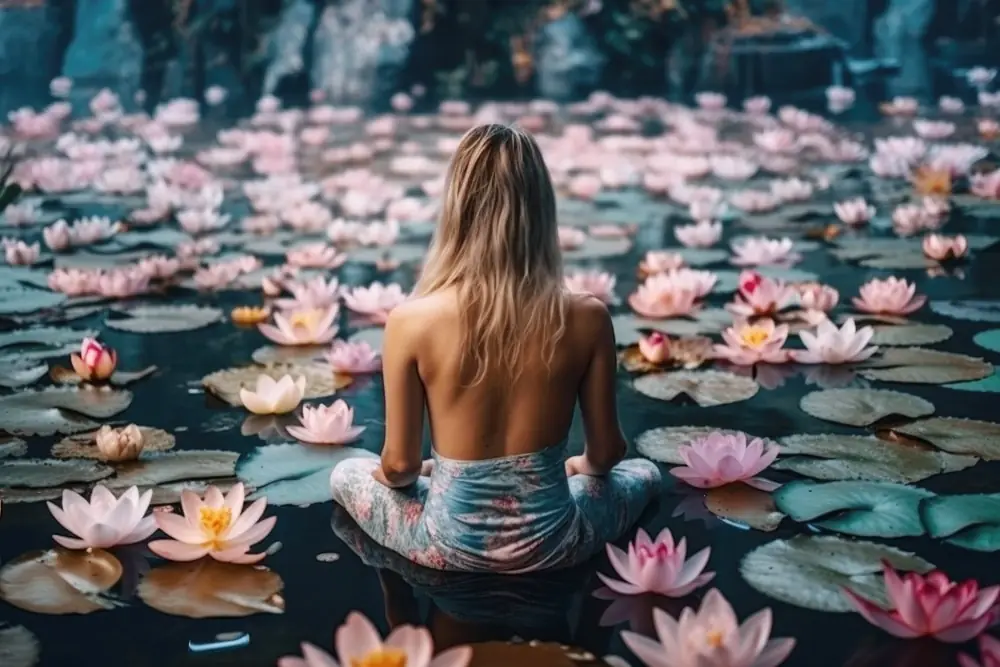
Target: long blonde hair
point(497, 244)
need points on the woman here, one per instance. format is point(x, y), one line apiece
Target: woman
point(499, 354)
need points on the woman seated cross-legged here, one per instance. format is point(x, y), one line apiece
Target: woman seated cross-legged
point(499, 355)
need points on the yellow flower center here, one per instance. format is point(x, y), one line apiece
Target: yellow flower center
point(214, 522)
point(754, 336)
point(383, 657)
point(714, 638)
point(306, 319)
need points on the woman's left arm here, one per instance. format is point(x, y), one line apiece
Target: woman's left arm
point(404, 401)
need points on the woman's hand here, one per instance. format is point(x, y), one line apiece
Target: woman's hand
point(579, 465)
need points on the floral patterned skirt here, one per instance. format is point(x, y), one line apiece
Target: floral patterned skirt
point(513, 514)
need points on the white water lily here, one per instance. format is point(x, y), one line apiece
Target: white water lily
point(273, 397)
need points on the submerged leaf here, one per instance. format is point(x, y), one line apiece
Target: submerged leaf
point(706, 388)
point(911, 334)
point(18, 647)
point(294, 474)
point(811, 571)
point(46, 473)
point(321, 381)
point(166, 319)
point(958, 436)
point(209, 589)
point(970, 521)
point(60, 581)
point(863, 407)
point(864, 509)
point(744, 505)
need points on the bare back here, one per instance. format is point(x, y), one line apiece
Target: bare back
point(500, 417)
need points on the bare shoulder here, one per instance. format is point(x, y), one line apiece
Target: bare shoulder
point(590, 318)
point(416, 317)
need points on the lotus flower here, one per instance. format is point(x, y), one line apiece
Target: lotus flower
point(199, 221)
point(57, 236)
point(854, 212)
point(216, 526)
point(759, 296)
point(655, 348)
point(758, 105)
point(989, 654)
point(754, 201)
point(302, 327)
point(105, 521)
point(892, 296)
point(710, 637)
point(316, 256)
point(931, 605)
point(571, 238)
point(702, 234)
point(722, 458)
point(660, 261)
point(818, 298)
point(908, 219)
point(274, 397)
point(762, 251)
point(792, 189)
point(747, 344)
point(989, 129)
point(315, 293)
point(945, 248)
point(657, 566)
point(95, 362)
point(933, 129)
point(659, 297)
point(353, 358)
point(830, 345)
point(119, 444)
point(600, 284)
point(359, 645)
point(986, 186)
point(326, 425)
point(19, 253)
point(376, 301)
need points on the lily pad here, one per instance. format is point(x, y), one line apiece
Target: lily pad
point(60, 581)
point(166, 319)
point(170, 493)
point(10, 447)
point(701, 256)
point(294, 474)
point(595, 248)
point(911, 334)
point(812, 571)
point(18, 647)
point(155, 468)
point(162, 237)
point(970, 521)
point(403, 253)
point(745, 506)
point(958, 436)
point(706, 388)
point(629, 328)
point(789, 275)
point(989, 385)
point(82, 446)
point(918, 365)
point(374, 336)
point(209, 589)
point(904, 261)
point(835, 456)
point(321, 381)
point(45, 336)
point(17, 372)
point(663, 444)
point(46, 473)
point(298, 354)
point(989, 340)
point(863, 509)
point(863, 407)
point(975, 310)
point(17, 301)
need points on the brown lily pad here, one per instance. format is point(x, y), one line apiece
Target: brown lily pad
point(744, 505)
point(82, 445)
point(835, 456)
point(706, 388)
point(48, 473)
point(63, 375)
point(688, 352)
point(208, 589)
point(920, 365)
point(154, 468)
point(911, 334)
point(320, 380)
point(863, 407)
point(60, 581)
point(957, 436)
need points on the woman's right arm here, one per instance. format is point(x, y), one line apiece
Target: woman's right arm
point(605, 443)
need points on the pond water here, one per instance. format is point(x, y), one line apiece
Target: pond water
point(128, 606)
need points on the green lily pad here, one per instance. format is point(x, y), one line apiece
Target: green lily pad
point(863, 509)
point(706, 388)
point(920, 365)
point(989, 385)
point(45, 336)
point(812, 571)
point(294, 474)
point(18, 301)
point(969, 521)
point(975, 310)
point(958, 436)
point(911, 334)
point(989, 340)
point(863, 407)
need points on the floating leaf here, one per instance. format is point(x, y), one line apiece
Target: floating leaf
point(958, 436)
point(45, 473)
point(53, 410)
point(170, 493)
point(63, 375)
point(925, 366)
point(17, 301)
point(706, 388)
point(45, 336)
point(700, 256)
point(811, 571)
point(629, 328)
point(297, 354)
point(294, 474)
point(208, 589)
point(863, 407)
point(162, 237)
point(166, 319)
point(594, 248)
point(907, 261)
point(989, 340)
point(663, 444)
point(988, 385)
point(60, 581)
point(18, 647)
point(789, 275)
point(373, 336)
point(25, 275)
point(688, 352)
point(82, 446)
point(321, 381)
point(744, 505)
point(863, 509)
point(17, 372)
point(911, 334)
point(975, 310)
point(970, 521)
point(835, 456)
point(161, 467)
point(10, 446)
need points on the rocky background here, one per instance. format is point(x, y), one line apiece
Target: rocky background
point(361, 51)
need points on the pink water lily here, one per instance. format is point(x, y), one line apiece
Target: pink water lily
point(657, 566)
point(830, 345)
point(818, 298)
point(315, 293)
point(376, 301)
point(722, 458)
point(660, 261)
point(217, 527)
point(943, 248)
point(105, 521)
point(359, 645)
point(854, 212)
point(749, 343)
point(353, 358)
point(892, 296)
point(95, 361)
point(316, 256)
point(702, 234)
point(19, 253)
point(655, 348)
point(659, 297)
point(600, 284)
point(989, 654)
point(326, 424)
point(710, 637)
point(302, 327)
point(761, 251)
point(931, 605)
point(759, 296)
